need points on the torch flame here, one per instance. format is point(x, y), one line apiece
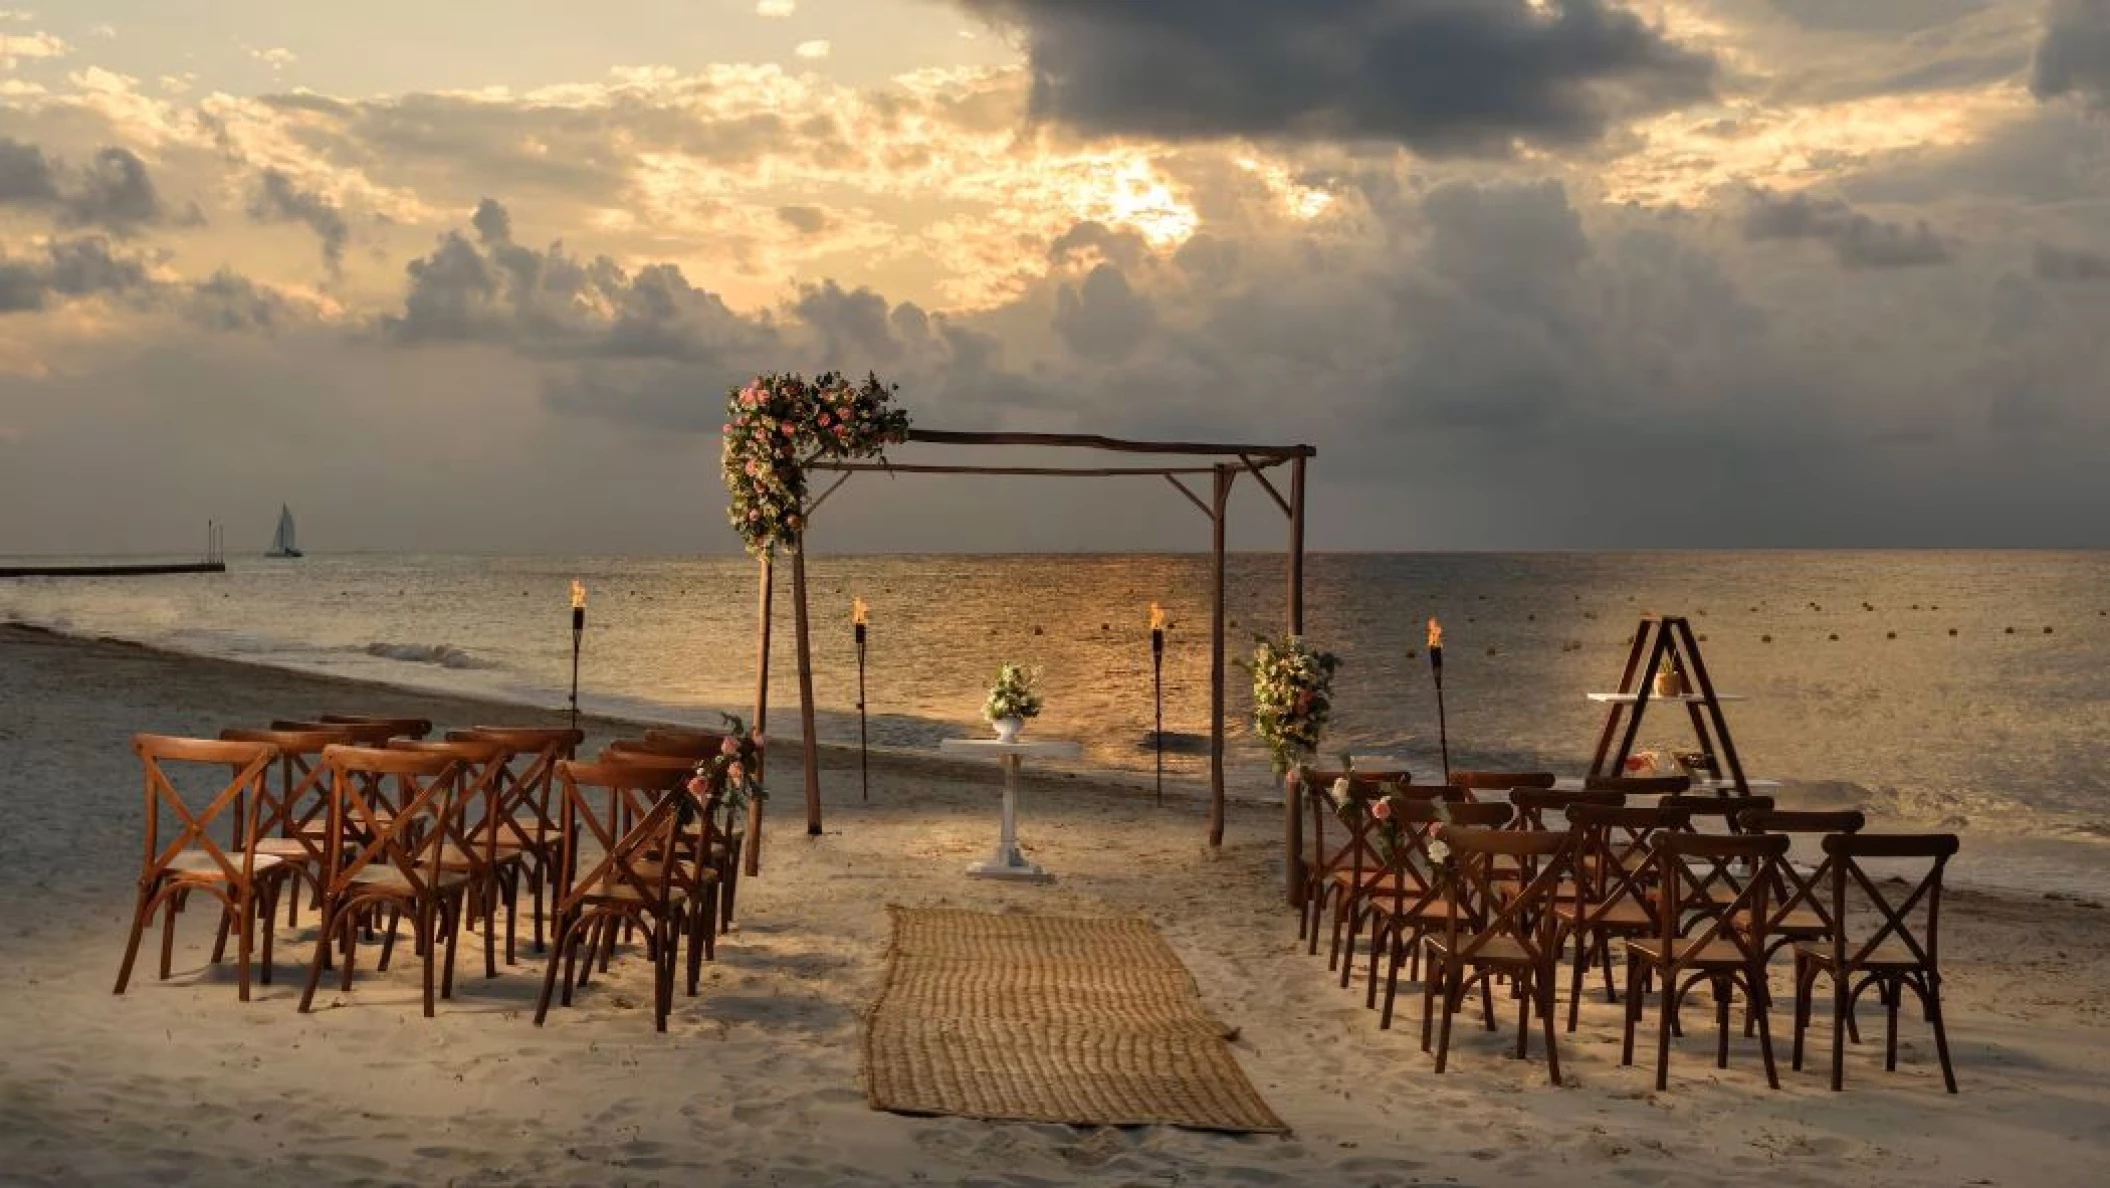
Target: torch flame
point(578, 594)
point(1435, 634)
point(857, 611)
point(1157, 617)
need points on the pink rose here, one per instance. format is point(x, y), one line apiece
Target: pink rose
point(755, 736)
point(735, 772)
point(699, 787)
point(1382, 809)
point(729, 747)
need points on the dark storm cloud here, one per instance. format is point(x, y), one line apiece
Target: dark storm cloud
point(278, 200)
point(2066, 264)
point(65, 269)
point(1439, 76)
point(1856, 239)
point(1103, 318)
point(2074, 56)
point(26, 175)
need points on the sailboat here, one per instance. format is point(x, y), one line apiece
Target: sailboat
point(282, 543)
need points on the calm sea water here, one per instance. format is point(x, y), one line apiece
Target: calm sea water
point(1960, 690)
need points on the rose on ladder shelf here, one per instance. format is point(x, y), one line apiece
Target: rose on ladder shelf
point(1012, 700)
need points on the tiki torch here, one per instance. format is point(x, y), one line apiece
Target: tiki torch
point(578, 628)
point(1157, 689)
point(857, 624)
point(1443, 736)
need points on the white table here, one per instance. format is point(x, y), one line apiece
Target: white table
point(1008, 863)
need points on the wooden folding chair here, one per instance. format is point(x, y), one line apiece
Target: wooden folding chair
point(633, 875)
point(400, 727)
point(526, 808)
point(1903, 952)
point(393, 816)
point(1410, 900)
point(1609, 898)
point(296, 805)
point(1536, 807)
point(728, 832)
point(244, 882)
point(1501, 781)
point(1330, 858)
point(1698, 939)
point(1492, 928)
point(1800, 912)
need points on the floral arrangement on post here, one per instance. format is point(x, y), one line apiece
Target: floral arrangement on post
point(1011, 700)
point(776, 425)
point(733, 769)
point(1292, 697)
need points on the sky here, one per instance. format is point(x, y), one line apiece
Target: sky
point(1528, 274)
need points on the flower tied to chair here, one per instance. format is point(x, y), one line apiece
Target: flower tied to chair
point(733, 770)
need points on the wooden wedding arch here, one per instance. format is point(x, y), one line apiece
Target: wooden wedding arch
point(1225, 463)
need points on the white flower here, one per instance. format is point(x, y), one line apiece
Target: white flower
point(1340, 788)
point(1439, 851)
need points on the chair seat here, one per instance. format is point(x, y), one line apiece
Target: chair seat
point(193, 865)
point(1438, 908)
point(1796, 922)
point(290, 849)
point(1886, 956)
point(459, 858)
point(388, 878)
point(623, 893)
point(1692, 953)
point(1623, 915)
point(1500, 950)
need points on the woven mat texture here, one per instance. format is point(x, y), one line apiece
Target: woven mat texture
point(1049, 1019)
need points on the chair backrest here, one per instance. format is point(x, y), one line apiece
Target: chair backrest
point(483, 763)
point(1714, 887)
point(299, 796)
point(525, 802)
point(685, 738)
point(1484, 908)
point(1535, 804)
point(1794, 890)
point(394, 810)
point(1349, 809)
point(362, 734)
point(595, 800)
point(1501, 781)
point(1912, 922)
point(173, 767)
point(1717, 814)
point(1640, 785)
point(403, 727)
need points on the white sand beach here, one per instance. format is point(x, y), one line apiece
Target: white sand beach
point(757, 1079)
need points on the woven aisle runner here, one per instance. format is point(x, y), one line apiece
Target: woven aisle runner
point(1049, 1019)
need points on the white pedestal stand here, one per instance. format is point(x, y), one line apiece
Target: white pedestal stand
point(1008, 862)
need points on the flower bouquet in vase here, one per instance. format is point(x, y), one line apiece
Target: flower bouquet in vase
point(1011, 701)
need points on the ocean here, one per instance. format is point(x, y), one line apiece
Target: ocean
point(1965, 691)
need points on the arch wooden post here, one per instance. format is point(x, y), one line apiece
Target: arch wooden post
point(810, 742)
point(1293, 791)
point(764, 598)
point(1218, 507)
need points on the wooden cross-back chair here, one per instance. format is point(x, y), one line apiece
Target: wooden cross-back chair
point(1541, 808)
point(526, 810)
point(242, 881)
point(1355, 895)
point(1610, 898)
point(729, 830)
point(1717, 814)
point(1801, 908)
point(362, 734)
point(1699, 937)
point(483, 848)
point(1901, 952)
point(394, 814)
point(295, 807)
point(1337, 869)
point(684, 740)
point(1492, 927)
point(1410, 901)
point(609, 876)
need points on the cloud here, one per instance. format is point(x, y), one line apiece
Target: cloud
point(775, 8)
point(2066, 264)
point(278, 200)
point(277, 57)
point(2074, 56)
point(26, 175)
point(116, 194)
point(807, 220)
point(1856, 239)
point(64, 270)
point(812, 50)
point(14, 47)
point(1439, 76)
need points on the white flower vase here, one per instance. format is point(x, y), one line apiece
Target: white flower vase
point(1007, 728)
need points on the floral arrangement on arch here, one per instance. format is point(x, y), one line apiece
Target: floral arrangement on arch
point(776, 425)
point(733, 769)
point(1292, 697)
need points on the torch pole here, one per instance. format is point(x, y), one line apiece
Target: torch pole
point(1157, 698)
point(864, 774)
point(578, 628)
point(1443, 734)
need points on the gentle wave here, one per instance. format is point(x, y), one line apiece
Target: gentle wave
point(443, 655)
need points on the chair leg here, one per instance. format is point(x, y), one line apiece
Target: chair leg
point(1893, 990)
point(1805, 986)
point(142, 912)
point(1720, 989)
point(1941, 1033)
point(1841, 1005)
point(1543, 983)
point(1380, 944)
point(169, 907)
point(423, 925)
point(1575, 975)
point(1428, 1000)
point(1525, 993)
point(1487, 1001)
point(244, 923)
point(322, 949)
point(1453, 992)
point(1632, 1013)
point(1667, 1001)
point(450, 920)
point(490, 905)
point(1761, 1008)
